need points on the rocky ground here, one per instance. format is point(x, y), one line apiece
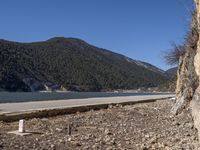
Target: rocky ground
point(137, 127)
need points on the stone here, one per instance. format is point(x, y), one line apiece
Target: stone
point(53, 146)
point(107, 132)
point(59, 130)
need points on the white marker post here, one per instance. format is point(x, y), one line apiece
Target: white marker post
point(21, 126)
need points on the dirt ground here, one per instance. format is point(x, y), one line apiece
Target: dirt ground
point(137, 127)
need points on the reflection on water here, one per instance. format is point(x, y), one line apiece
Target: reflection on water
point(7, 97)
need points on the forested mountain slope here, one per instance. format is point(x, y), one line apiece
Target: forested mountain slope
point(72, 63)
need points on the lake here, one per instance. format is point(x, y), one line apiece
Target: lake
point(11, 97)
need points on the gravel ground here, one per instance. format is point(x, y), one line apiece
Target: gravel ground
point(137, 127)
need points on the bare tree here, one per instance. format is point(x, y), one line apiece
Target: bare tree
point(172, 56)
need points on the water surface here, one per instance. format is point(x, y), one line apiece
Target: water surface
point(11, 97)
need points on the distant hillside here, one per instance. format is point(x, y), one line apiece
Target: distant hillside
point(71, 64)
point(171, 71)
point(170, 85)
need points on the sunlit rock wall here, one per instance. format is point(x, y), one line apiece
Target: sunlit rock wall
point(195, 103)
point(187, 79)
point(188, 87)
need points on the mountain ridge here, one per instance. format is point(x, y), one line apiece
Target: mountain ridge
point(73, 64)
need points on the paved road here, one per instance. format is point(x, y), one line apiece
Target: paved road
point(7, 108)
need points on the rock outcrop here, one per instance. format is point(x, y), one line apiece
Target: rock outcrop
point(35, 85)
point(187, 80)
point(188, 87)
point(195, 104)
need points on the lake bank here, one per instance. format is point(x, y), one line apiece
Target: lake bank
point(14, 111)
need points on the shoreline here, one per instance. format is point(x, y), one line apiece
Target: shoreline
point(15, 111)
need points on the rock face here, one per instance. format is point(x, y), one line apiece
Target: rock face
point(188, 87)
point(195, 104)
point(35, 85)
point(187, 80)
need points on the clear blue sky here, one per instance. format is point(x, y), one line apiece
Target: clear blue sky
point(139, 29)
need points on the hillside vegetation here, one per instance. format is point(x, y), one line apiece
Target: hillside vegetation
point(74, 64)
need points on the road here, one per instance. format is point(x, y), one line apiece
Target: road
point(9, 108)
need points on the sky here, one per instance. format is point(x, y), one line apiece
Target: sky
point(139, 29)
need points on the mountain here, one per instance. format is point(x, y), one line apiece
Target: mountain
point(172, 71)
point(170, 85)
point(71, 64)
point(150, 67)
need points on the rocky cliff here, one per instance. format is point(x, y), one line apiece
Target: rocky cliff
point(188, 87)
point(195, 104)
